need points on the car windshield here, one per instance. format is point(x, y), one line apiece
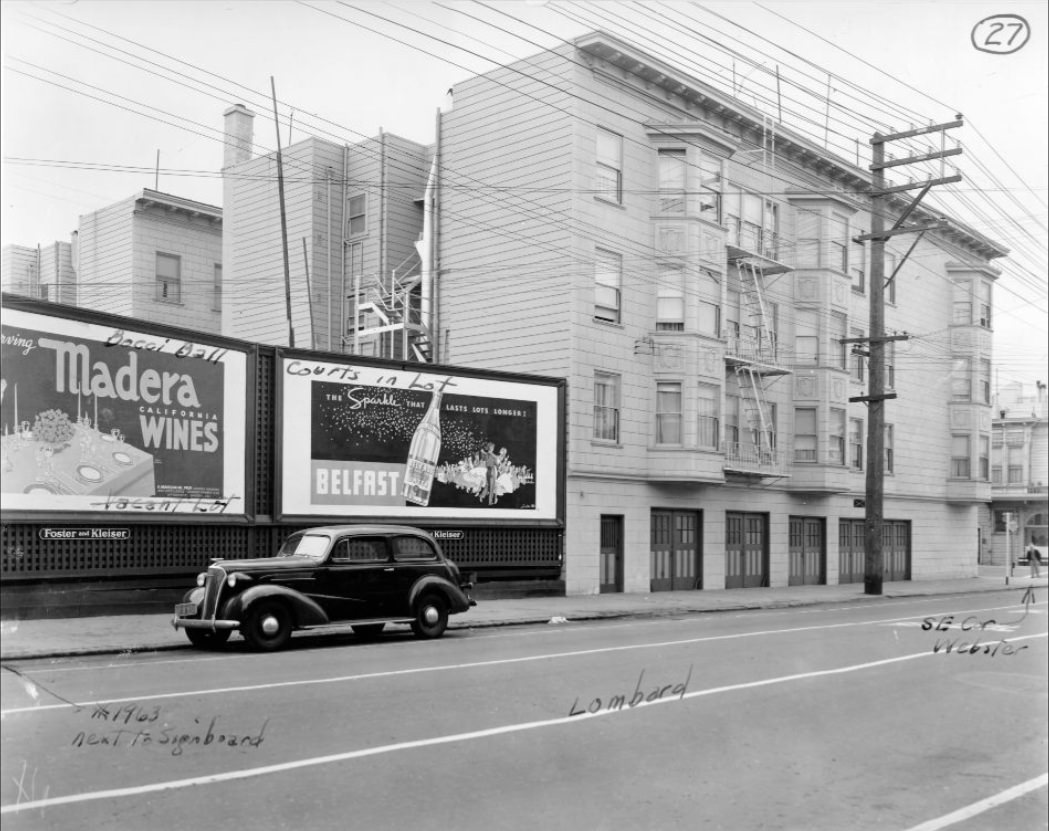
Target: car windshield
point(305, 545)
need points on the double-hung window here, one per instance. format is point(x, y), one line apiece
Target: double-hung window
point(890, 365)
point(806, 339)
point(856, 443)
point(358, 215)
point(961, 380)
point(608, 177)
point(668, 412)
point(708, 408)
point(710, 188)
point(807, 230)
point(985, 457)
point(858, 265)
point(962, 313)
point(985, 305)
point(169, 278)
point(836, 437)
point(608, 278)
point(672, 168)
point(670, 299)
point(892, 277)
point(859, 359)
point(839, 332)
point(890, 456)
point(960, 461)
point(839, 248)
point(216, 288)
point(606, 406)
point(805, 434)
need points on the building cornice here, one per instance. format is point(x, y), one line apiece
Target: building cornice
point(653, 72)
point(168, 202)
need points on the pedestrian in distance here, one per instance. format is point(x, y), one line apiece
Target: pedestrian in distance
point(1034, 559)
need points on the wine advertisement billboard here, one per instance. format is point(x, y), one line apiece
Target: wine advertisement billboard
point(399, 442)
point(107, 420)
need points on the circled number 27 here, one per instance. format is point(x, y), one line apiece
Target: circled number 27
point(1001, 34)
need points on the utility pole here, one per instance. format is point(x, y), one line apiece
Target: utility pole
point(876, 395)
point(283, 222)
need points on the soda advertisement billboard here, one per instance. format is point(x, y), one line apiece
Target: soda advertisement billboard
point(360, 441)
point(112, 421)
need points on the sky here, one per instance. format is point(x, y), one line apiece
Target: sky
point(94, 92)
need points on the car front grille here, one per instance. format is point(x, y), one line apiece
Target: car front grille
point(212, 589)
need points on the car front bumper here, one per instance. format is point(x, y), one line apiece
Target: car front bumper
point(197, 623)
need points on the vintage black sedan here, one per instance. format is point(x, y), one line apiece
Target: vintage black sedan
point(368, 575)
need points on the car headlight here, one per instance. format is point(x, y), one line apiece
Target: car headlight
point(201, 578)
point(231, 581)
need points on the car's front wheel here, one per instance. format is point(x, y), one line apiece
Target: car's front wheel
point(268, 626)
point(207, 639)
point(431, 616)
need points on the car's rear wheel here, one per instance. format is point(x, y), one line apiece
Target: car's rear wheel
point(268, 626)
point(368, 630)
point(431, 616)
point(207, 639)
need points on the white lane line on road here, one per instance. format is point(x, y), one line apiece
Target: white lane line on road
point(299, 682)
point(282, 767)
point(970, 811)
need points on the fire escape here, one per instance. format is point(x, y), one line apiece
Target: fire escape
point(399, 315)
point(390, 314)
point(751, 353)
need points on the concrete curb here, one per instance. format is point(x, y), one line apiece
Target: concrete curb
point(16, 653)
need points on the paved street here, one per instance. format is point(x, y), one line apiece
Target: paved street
point(828, 717)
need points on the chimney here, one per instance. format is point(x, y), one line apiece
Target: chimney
point(239, 135)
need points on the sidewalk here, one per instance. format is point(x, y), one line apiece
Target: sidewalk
point(51, 638)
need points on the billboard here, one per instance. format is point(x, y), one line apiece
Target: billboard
point(113, 421)
point(416, 444)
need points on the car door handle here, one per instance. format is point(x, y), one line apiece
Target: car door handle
point(387, 569)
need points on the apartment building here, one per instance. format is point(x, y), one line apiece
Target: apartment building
point(44, 272)
point(353, 215)
point(690, 267)
point(153, 256)
point(1018, 513)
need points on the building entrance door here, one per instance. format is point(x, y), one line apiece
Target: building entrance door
point(611, 554)
point(746, 550)
point(675, 559)
point(808, 551)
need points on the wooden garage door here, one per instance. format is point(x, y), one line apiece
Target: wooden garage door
point(675, 554)
point(746, 550)
point(808, 551)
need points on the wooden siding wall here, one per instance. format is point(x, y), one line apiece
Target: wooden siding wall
point(105, 269)
point(198, 245)
point(509, 268)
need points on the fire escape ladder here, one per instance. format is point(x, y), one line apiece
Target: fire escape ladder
point(752, 395)
point(752, 292)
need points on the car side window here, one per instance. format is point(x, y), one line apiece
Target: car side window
point(412, 548)
point(360, 550)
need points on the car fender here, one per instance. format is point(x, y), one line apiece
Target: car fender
point(306, 611)
point(194, 596)
point(457, 600)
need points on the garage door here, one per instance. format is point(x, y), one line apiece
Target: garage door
point(746, 550)
point(808, 551)
point(895, 550)
point(674, 557)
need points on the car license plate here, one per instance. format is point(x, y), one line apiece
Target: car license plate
point(185, 609)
